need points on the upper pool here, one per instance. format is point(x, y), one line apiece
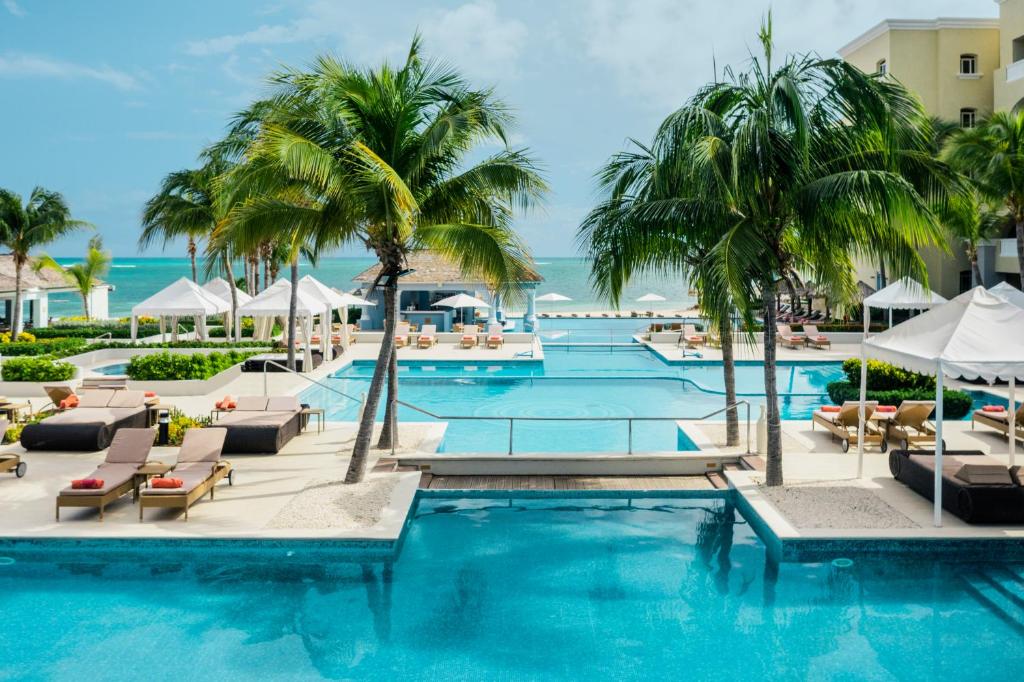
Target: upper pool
point(513, 589)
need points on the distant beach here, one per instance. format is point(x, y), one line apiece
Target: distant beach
point(135, 279)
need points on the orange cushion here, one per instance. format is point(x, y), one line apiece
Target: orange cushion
point(885, 408)
point(830, 408)
point(150, 394)
point(87, 484)
point(69, 402)
point(993, 408)
point(166, 482)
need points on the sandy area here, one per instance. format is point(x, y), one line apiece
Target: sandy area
point(331, 504)
point(834, 504)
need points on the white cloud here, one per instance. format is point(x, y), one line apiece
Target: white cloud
point(26, 65)
point(14, 8)
point(477, 39)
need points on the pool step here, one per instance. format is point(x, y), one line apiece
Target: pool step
point(717, 480)
point(1000, 590)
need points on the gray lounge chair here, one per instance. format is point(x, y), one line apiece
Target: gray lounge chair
point(91, 426)
point(119, 472)
point(199, 468)
point(261, 425)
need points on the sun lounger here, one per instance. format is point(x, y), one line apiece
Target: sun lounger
point(469, 336)
point(402, 335)
point(690, 336)
point(427, 337)
point(1000, 420)
point(975, 487)
point(103, 382)
point(119, 472)
point(199, 469)
point(843, 424)
point(261, 425)
point(90, 426)
point(10, 462)
point(909, 424)
point(495, 336)
point(815, 338)
point(787, 338)
point(58, 394)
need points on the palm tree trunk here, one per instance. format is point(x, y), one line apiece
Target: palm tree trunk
point(357, 465)
point(972, 254)
point(1020, 249)
point(255, 265)
point(732, 418)
point(266, 273)
point(85, 307)
point(389, 431)
point(192, 258)
point(293, 304)
point(16, 321)
point(881, 272)
point(236, 326)
point(773, 467)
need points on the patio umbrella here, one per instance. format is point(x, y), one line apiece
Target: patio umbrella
point(974, 335)
point(461, 301)
point(552, 298)
point(650, 298)
point(1008, 292)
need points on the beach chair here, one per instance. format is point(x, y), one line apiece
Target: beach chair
point(197, 472)
point(787, 338)
point(115, 477)
point(996, 417)
point(10, 462)
point(691, 337)
point(842, 424)
point(100, 414)
point(495, 336)
point(816, 338)
point(909, 424)
point(427, 336)
point(469, 336)
point(58, 394)
point(402, 335)
point(712, 339)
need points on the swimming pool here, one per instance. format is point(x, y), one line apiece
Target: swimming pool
point(118, 369)
point(511, 588)
point(597, 329)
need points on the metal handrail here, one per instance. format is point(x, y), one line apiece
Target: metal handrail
point(266, 390)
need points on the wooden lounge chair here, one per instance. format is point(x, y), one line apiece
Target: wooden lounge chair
point(787, 338)
point(843, 425)
point(815, 338)
point(90, 426)
point(427, 336)
point(119, 472)
point(58, 394)
point(199, 469)
point(1000, 421)
point(402, 335)
point(470, 337)
point(10, 462)
point(691, 337)
point(910, 426)
point(495, 336)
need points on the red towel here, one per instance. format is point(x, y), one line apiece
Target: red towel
point(87, 484)
point(69, 402)
point(166, 482)
point(885, 408)
point(993, 408)
point(821, 337)
point(830, 408)
point(150, 394)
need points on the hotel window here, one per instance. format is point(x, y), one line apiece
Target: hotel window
point(882, 67)
point(968, 117)
point(968, 65)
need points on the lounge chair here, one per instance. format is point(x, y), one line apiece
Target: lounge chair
point(691, 337)
point(119, 472)
point(999, 420)
point(909, 424)
point(90, 426)
point(787, 338)
point(712, 338)
point(402, 335)
point(816, 338)
point(58, 394)
point(199, 469)
point(842, 424)
point(427, 336)
point(10, 462)
point(975, 487)
point(103, 382)
point(495, 336)
point(261, 425)
point(469, 336)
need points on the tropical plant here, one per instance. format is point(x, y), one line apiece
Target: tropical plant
point(83, 276)
point(807, 165)
point(180, 367)
point(36, 369)
point(44, 218)
point(386, 158)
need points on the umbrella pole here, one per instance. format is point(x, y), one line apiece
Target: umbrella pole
point(1013, 419)
point(938, 447)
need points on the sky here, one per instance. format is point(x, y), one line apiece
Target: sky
point(99, 100)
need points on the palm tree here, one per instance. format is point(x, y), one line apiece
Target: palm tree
point(634, 231)
point(971, 222)
point(83, 276)
point(806, 164)
point(992, 155)
point(43, 219)
point(385, 158)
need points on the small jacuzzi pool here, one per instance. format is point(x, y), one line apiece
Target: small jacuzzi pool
point(118, 369)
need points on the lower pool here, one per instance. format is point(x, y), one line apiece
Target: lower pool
point(118, 369)
point(512, 589)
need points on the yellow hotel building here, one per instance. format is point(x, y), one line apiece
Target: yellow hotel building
point(962, 69)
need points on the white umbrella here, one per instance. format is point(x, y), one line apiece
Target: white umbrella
point(1008, 292)
point(552, 298)
point(974, 335)
point(649, 298)
point(461, 301)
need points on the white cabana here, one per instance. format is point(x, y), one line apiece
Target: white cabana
point(976, 335)
point(1008, 292)
point(331, 300)
point(275, 301)
point(183, 298)
point(348, 299)
point(220, 288)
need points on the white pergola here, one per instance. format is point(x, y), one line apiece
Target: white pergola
point(182, 298)
point(275, 301)
point(219, 287)
point(331, 301)
point(976, 335)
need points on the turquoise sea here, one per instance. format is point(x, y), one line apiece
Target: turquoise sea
point(135, 279)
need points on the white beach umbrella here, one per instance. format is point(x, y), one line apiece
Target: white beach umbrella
point(461, 301)
point(650, 298)
point(1008, 292)
point(976, 335)
point(552, 298)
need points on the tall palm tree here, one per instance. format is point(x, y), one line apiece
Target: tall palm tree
point(992, 155)
point(83, 276)
point(43, 219)
point(386, 158)
point(807, 163)
point(634, 231)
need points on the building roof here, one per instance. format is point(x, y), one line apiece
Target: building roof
point(916, 25)
point(44, 279)
point(430, 268)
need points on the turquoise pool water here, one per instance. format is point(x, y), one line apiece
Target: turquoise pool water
point(112, 370)
point(512, 589)
point(583, 383)
point(596, 329)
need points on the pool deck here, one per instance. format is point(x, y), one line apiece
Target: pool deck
point(675, 354)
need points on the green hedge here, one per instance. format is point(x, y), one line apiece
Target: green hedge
point(891, 385)
point(119, 331)
point(36, 369)
point(885, 377)
point(55, 347)
point(179, 366)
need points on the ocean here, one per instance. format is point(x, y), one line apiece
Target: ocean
point(135, 279)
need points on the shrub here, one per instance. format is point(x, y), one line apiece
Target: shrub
point(36, 369)
point(179, 367)
point(180, 423)
point(54, 347)
point(23, 337)
point(885, 377)
point(955, 404)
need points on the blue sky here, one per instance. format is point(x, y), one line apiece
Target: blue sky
point(101, 99)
